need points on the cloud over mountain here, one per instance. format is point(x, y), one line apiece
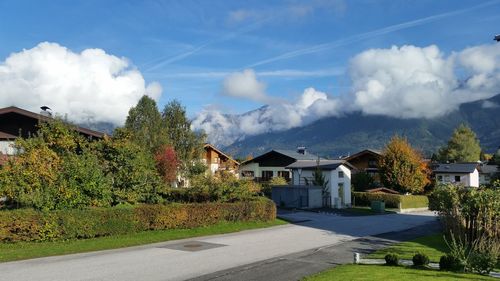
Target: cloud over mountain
point(402, 82)
point(90, 86)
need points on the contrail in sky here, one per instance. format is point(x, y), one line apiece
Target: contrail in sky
point(202, 46)
point(370, 34)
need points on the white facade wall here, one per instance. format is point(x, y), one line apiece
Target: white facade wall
point(345, 198)
point(474, 179)
point(214, 167)
point(471, 179)
point(333, 183)
point(7, 147)
point(257, 170)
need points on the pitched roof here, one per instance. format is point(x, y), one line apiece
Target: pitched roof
point(4, 135)
point(323, 164)
point(297, 156)
point(489, 169)
point(14, 109)
point(369, 151)
point(294, 155)
point(460, 168)
point(207, 145)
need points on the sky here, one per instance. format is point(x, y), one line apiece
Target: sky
point(92, 60)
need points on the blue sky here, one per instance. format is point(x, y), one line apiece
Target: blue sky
point(190, 47)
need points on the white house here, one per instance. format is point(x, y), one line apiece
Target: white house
point(337, 173)
point(273, 164)
point(466, 174)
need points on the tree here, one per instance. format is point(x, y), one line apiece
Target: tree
point(463, 146)
point(55, 169)
point(167, 164)
point(402, 168)
point(144, 122)
point(131, 167)
point(362, 181)
point(187, 144)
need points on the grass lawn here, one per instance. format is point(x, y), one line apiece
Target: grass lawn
point(386, 273)
point(433, 246)
point(27, 250)
point(368, 211)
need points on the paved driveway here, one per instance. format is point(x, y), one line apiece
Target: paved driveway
point(180, 260)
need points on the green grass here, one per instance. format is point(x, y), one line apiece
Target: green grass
point(364, 210)
point(386, 273)
point(27, 250)
point(433, 246)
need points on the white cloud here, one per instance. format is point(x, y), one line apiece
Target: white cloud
point(413, 82)
point(225, 129)
point(87, 86)
point(400, 82)
point(244, 85)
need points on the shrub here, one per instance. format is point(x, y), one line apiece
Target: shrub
point(450, 263)
point(31, 225)
point(420, 259)
point(391, 259)
point(391, 200)
point(483, 263)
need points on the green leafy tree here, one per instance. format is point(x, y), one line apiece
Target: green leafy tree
point(131, 167)
point(55, 169)
point(144, 122)
point(187, 144)
point(402, 168)
point(362, 181)
point(463, 146)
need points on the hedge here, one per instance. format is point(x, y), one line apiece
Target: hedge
point(30, 225)
point(391, 200)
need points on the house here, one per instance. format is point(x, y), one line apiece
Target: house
point(366, 161)
point(216, 160)
point(466, 174)
point(16, 122)
point(487, 172)
point(337, 175)
point(273, 164)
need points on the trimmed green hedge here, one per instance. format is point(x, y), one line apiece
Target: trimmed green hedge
point(31, 225)
point(391, 200)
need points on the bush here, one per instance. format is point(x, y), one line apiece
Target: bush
point(420, 259)
point(450, 263)
point(31, 225)
point(391, 259)
point(391, 200)
point(483, 263)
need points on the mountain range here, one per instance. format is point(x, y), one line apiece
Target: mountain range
point(337, 136)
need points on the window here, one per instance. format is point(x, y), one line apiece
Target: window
point(267, 175)
point(341, 174)
point(457, 178)
point(284, 174)
point(440, 178)
point(248, 174)
point(372, 163)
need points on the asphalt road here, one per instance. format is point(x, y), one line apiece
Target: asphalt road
point(198, 257)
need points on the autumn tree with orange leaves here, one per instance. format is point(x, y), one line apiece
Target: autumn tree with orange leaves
point(402, 168)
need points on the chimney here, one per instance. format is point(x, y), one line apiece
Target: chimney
point(302, 150)
point(46, 111)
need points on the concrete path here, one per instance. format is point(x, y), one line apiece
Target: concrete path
point(185, 259)
point(298, 265)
